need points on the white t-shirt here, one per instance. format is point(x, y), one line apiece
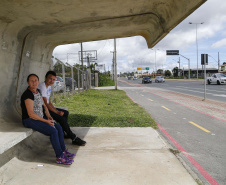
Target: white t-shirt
point(45, 91)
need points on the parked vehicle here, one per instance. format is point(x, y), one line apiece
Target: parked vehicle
point(60, 85)
point(68, 83)
point(134, 78)
point(146, 80)
point(159, 79)
point(217, 78)
point(57, 86)
point(129, 77)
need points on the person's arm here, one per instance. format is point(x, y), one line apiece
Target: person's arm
point(47, 112)
point(51, 107)
point(29, 106)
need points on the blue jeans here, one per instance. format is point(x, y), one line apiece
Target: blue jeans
point(56, 134)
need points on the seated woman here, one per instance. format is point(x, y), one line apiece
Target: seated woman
point(32, 117)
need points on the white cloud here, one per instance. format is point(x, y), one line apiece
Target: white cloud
point(220, 43)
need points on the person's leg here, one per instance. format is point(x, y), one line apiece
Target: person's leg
point(61, 136)
point(62, 121)
point(47, 130)
point(64, 124)
point(61, 140)
point(66, 113)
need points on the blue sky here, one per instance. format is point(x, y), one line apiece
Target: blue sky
point(133, 52)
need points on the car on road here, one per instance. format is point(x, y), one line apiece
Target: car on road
point(129, 77)
point(159, 79)
point(217, 78)
point(68, 83)
point(146, 80)
point(134, 78)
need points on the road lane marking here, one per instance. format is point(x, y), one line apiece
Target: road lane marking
point(201, 89)
point(221, 95)
point(190, 158)
point(150, 99)
point(224, 120)
point(165, 108)
point(199, 127)
point(142, 95)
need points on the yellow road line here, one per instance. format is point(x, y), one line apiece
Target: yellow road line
point(142, 95)
point(165, 108)
point(199, 127)
point(150, 99)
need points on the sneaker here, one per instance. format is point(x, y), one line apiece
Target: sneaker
point(78, 141)
point(64, 160)
point(69, 155)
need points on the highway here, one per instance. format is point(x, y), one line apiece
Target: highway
point(196, 128)
point(213, 91)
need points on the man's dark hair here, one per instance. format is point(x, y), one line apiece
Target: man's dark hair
point(50, 73)
point(32, 75)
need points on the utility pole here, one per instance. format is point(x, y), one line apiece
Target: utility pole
point(197, 47)
point(155, 60)
point(188, 65)
point(113, 66)
point(218, 62)
point(115, 61)
point(179, 67)
point(82, 67)
point(89, 70)
point(183, 72)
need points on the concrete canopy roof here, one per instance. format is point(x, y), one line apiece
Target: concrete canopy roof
point(60, 22)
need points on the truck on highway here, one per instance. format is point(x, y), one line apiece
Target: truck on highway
point(217, 78)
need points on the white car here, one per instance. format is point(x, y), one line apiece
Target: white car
point(159, 79)
point(217, 78)
point(57, 87)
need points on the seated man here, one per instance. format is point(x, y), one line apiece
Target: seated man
point(59, 115)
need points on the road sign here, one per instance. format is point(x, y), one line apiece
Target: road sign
point(172, 52)
point(204, 59)
point(139, 68)
point(146, 68)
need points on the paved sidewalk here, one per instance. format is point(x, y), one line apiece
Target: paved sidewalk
point(112, 156)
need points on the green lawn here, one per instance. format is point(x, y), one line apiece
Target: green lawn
point(105, 108)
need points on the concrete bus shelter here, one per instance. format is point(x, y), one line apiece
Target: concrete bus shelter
point(30, 30)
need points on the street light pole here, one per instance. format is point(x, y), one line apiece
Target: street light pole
point(155, 60)
point(197, 47)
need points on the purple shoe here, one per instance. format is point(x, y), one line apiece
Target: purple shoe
point(69, 155)
point(64, 160)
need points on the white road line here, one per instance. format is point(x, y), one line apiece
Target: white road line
point(221, 95)
point(202, 89)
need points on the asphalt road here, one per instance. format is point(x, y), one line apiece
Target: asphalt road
point(199, 135)
point(213, 91)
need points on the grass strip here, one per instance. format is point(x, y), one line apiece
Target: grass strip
point(105, 108)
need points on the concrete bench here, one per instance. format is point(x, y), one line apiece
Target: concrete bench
point(13, 136)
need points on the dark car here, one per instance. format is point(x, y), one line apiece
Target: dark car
point(68, 83)
point(146, 80)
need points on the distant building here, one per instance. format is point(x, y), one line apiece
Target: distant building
point(209, 72)
point(223, 69)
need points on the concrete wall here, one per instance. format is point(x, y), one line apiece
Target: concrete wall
point(30, 30)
